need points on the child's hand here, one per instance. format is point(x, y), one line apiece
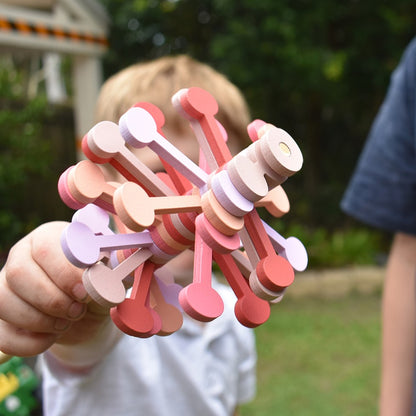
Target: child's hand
point(42, 298)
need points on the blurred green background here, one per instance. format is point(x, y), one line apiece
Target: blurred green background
point(316, 69)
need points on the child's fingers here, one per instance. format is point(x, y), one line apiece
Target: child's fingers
point(30, 283)
point(21, 314)
point(47, 253)
point(23, 343)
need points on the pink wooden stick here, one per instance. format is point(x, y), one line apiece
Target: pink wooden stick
point(137, 210)
point(84, 183)
point(243, 262)
point(105, 286)
point(182, 184)
point(104, 144)
point(276, 202)
point(257, 128)
point(135, 316)
point(168, 287)
point(171, 317)
point(98, 220)
point(64, 192)
point(199, 105)
point(282, 275)
point(250, 310)
point(253, 129)
point(199, 300)
point(139, 129)
point(82, 247)
point(275, 272)
point(290, 248)
point(262, 292)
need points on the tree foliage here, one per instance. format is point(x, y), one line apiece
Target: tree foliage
point(31, 157)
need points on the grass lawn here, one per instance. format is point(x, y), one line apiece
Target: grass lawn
point(319, 357)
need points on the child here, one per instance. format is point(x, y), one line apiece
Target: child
point(89, 367)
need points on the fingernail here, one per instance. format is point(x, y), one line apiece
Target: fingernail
point(79, 292)
point(76, 310)
point(61, 324)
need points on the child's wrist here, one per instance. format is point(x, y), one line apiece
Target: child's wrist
point(83, 356)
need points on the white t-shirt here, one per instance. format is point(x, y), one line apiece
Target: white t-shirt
point(201, 370)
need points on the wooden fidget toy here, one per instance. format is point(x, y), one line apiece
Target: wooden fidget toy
point(209, 208)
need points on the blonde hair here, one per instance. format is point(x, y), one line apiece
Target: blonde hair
point(156, 81)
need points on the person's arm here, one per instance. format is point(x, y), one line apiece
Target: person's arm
point(399, 328)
